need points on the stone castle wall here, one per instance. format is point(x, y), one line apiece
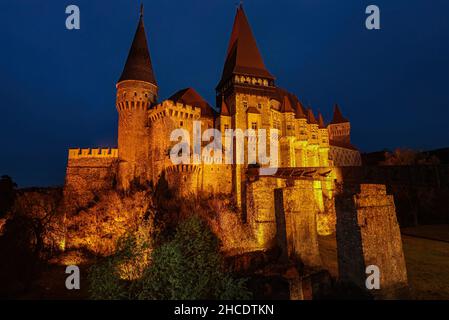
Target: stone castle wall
point(89, 172)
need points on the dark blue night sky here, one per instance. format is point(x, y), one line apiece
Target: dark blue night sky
point(57, 86)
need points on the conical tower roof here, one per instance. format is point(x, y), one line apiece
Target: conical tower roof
point(243, 56)
point(286, 106)
point(138, 65)
point(321, 124)
point(311, 117)
point(338, 116)
point(300, 113)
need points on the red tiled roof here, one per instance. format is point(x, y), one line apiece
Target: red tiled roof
point(321, 124)
point(190, 97)
point(311, 117)
point(286, 105)
point(300, 113)
point(338, 116)
point(243, 56)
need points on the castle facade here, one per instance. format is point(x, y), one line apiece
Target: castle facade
point(246, 98)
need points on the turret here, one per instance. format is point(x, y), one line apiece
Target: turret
point(339, 128)
point(136, 92)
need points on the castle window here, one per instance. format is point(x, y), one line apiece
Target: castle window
point(259, 105)
point(135, 94)
point(245, 104)
point(254, 125)
point(181, 123)
point(226, 126)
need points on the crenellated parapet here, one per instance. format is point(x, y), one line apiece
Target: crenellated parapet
point(178, 110)
point(78, 153)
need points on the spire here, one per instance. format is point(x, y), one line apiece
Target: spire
point(243, 56)
point(321, 124)
point(310, 117)
point(286, 106)
point(300, 114)
point(338, 116)
point(138, 65)
point(224, 108)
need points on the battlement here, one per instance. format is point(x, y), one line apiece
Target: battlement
point(77, 153)
point(172, 109)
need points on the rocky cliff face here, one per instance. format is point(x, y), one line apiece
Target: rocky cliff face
point(97, 227)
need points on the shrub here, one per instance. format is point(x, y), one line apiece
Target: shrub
point(189, 266)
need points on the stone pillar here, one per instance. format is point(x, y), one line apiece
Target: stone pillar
point(368, 234)
point(296, 211)
point(260, 211)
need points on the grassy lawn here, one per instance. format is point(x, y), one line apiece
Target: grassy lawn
point(427, 262)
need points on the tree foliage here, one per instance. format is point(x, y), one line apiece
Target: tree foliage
point(406, 157)
point(189, 266)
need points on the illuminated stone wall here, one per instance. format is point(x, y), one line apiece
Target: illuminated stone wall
point(296, 211)
point(260, 210)
point(368, 234)
point(89, 173)
point(343, 157)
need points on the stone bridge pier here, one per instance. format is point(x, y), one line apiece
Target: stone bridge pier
point(368, 235)
point(296, 210)
point(283, 213)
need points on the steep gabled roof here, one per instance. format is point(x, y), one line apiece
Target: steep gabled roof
point(321, 124)
point(286, 105)
point(190, 97)
point(311, 117)
point(138, 65)
point(300, 113)
point(338, 116)
point(243, 56)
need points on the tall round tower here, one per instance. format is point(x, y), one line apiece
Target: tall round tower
point(136, 92)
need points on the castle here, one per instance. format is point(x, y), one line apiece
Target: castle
point(247, 98)
point(310, 194)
